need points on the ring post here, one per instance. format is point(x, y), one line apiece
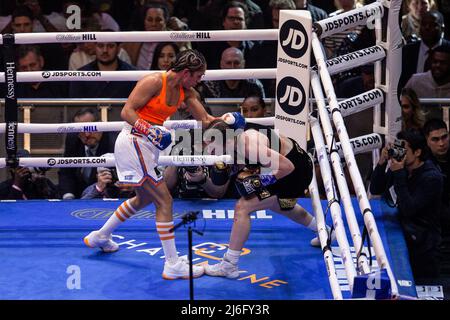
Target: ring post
point(11, 109)
point(292, 90)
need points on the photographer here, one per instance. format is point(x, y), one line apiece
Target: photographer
point(198, 182)
point(195, 182)
point(106, 186)
point(415, 186)
point(27, 183)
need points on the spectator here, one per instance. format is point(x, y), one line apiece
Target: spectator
point(412, 115)
point(444, 7)
point(27, 183)
point(84, 52)
point(107, 59)
point(154, 18)
point(165, 54)
point(54, 55)
point(436, 133)
point(360, 123)
point(107, 186)
point(107, 22)
point(416, 56)
point(45, 23)
point(316, 12)
point(326, 5)
point(340, 43)
point(176, 24)
point(417, 185)
point(434, 83)
point(72, 181)
point(253, 106)
point(234, 17)
point(232, 58)
point(192, 13)
point(254, 14)
point(264, 53)
point(29, 58)
point(411, 21)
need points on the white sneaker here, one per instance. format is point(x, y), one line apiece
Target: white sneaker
point(95, 239)
point(222, 269)
point(180, 270)
point(315, 242)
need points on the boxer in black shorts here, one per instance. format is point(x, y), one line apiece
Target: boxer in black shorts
point(273, 171)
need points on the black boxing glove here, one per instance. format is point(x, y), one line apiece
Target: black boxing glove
point(251, 185)
point(219, 173)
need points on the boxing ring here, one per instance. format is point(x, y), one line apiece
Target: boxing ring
point(43, 256)
point(41, 241)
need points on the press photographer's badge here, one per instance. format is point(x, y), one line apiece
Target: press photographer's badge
point(393, 194)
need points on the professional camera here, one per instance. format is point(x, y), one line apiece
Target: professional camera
point(190, 169)
point(398, 150)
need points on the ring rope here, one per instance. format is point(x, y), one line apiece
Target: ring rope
point(82, 162)
point(144, 36)
point(135, 75)
point(112, 126)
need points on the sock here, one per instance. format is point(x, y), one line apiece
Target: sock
point(232, 256)
point(168, 241)
point(312, 225)
point(122, 213)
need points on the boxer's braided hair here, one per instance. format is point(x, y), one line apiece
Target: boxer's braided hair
point(190, 59)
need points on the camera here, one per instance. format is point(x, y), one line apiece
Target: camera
point(192, 169)
point(398, 150)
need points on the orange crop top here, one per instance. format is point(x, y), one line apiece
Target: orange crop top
point(156, 111)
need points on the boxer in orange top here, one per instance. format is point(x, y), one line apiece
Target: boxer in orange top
point(153, 100)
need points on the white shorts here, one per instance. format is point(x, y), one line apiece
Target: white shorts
point(136, 159)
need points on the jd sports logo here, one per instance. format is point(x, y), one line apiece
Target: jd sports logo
point(294, 39)
point(291, 96)
point(46, 74)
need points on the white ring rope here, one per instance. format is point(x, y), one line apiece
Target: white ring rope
point(111, 126)
point(135, 75)
point(82, 162)
point(355, 59)
point(359, 102)
point(361, 16)
point(145, 36)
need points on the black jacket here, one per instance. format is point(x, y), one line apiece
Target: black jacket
point(418, 201)
point(102, 89)
point(71, 179)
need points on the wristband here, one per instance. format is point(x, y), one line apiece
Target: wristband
point(142, 126)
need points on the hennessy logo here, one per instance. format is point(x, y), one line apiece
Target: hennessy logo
point(10, 68)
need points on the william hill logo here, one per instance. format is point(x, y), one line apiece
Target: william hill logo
point(88, 36)
point(202, 35)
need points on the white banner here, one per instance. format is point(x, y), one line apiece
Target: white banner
point(293, 74)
